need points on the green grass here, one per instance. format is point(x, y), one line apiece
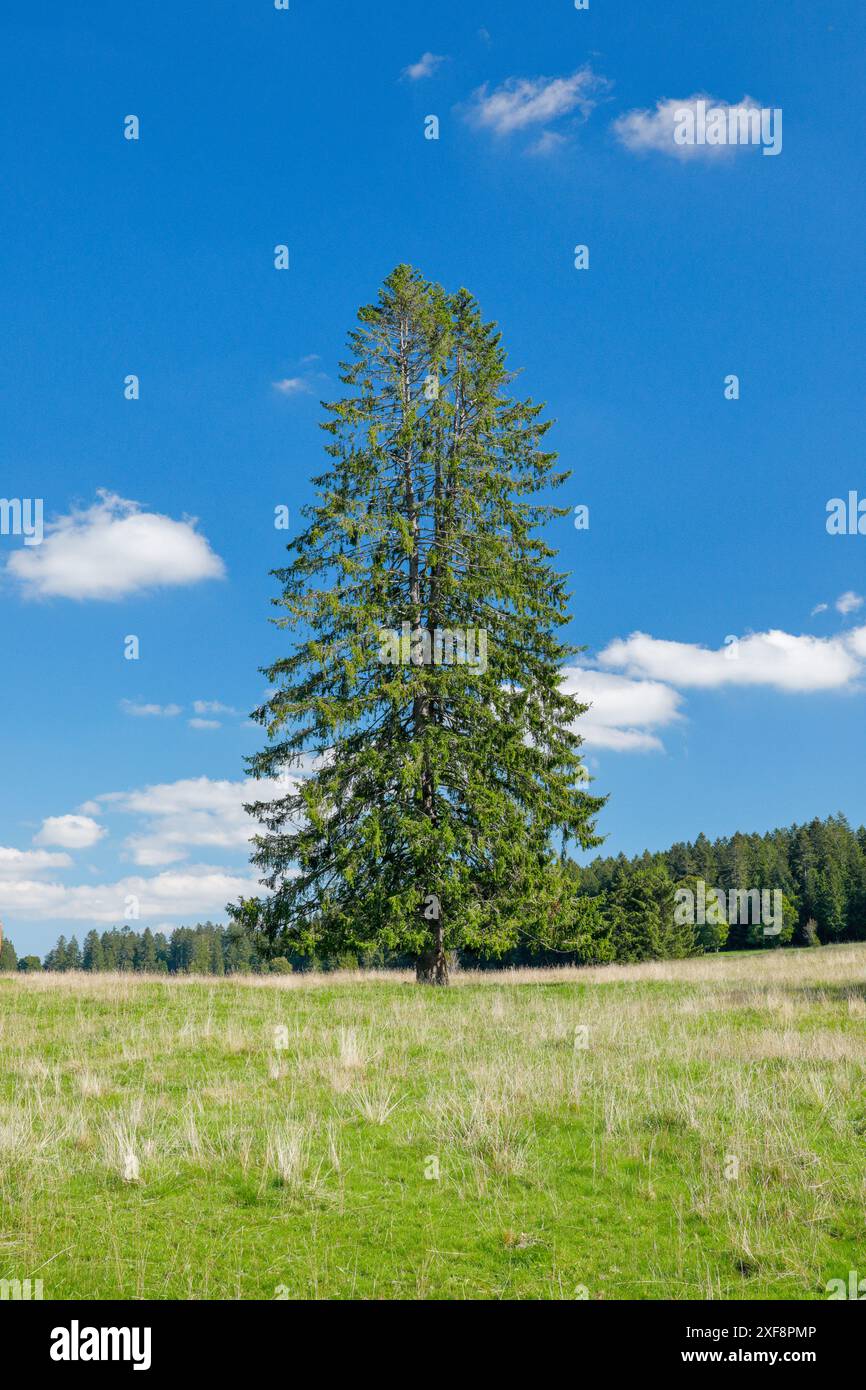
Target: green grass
point(157, 1142)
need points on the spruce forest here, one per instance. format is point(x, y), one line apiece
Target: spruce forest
point(624, 913)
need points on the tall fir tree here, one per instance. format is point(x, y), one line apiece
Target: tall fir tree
point(689, 932)
point(830, 902)
point(636, 912)
point(436, 789)
point(56, 958)
point(145, 952)
point(93, 957)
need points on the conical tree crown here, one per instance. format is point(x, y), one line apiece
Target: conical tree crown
point(422, 695)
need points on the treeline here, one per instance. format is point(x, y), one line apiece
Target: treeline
point(614, 909)
point(811, 878)
point(820, 868)
point(206, 949)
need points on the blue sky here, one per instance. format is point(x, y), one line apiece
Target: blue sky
point(306, 127)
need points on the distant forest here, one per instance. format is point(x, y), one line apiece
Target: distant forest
point(614, 909)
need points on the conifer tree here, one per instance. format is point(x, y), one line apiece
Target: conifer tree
point(145, 952)
point(641, 915)
point(8, 954)
point(830, 902)
point(110, 949)
point(56, 958)
point(422, 698)
point(710, 934)
point(94, 958)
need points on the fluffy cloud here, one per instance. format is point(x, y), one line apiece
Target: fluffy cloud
point(622, 711)
point(425, 67)
point(642, 131)
point(547, 143)
point(194, 813)
point(199, 891)
point(525, 102)
point(627, 707)
point(21, 863)
point(293, 386)
point(776, 659)
point(856, 642)
point(144, 711)
point(112, 549)
point(205, 708)
point(848, 602)
point(70, 832)
point(175, 818)
point(212, 707)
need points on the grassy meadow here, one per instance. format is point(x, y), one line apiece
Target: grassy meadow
point(691, 1129)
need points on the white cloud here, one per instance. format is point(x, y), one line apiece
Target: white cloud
point(644, 130)
point(18, 863)
point(70, 832)
point(622, 711)
point(774, 658)
point(198, 891)
point(627, 708)
point(425, 67)
point(292, 386)
point(195, 812)
point(849, 602)
point(174, 817)
point(819, 608)
point(523, 102)
point(856, 641)
point(113, 549)
point(144, 711)
point(212, 707)
point(548, 142)
point(204, 723)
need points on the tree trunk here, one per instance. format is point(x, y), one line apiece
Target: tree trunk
point(431, 968)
